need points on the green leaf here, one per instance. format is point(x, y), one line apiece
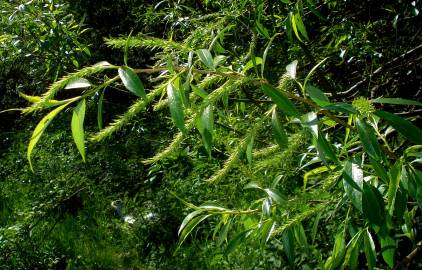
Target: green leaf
point(264, 55)
point(132, 81)
point(369, 140)
point(282, 102)
point(205, 125)
point(279, 133)
point(294, 26)
point(398, 101)
point(275, 195)
point(78, 127)
point(317, 96)
point(395, 175)
point(78, 83)
point(325, 149)
point(338, 250)
point(310, 121)
point(190, 225)
point(250, 64)
point(370, 252)
point(388, 249)
point(405, 127)
point(223, 234)
point(127, 48)
point(249, 148)
point(300, 26)
point(176, 107)
point(262, 30)
point(199, 91)
point(315, 227)
point(291, 69)
point(341, 107)
point(206, 58)
point(289, 245)
point(353, 183)
point(236, 241)
point(379, 170)
point(353, 246)
point(301, 236)
point(266, 230)
point(100, 110)
point(373, 204)
point(40, 128)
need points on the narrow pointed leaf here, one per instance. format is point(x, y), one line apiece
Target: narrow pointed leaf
point(199, 91)
point(206, 58)
point(40, 128)
point(405, 127)
point(78, 83)
point(279, 133)
point(326, 149)
point(398, 101)
point(369, 140)
point(388, 249)
point(266, 230)
point(317, 96)
point(223, 234)
point(283, 103)
point(205, 125)
point(370, 252)
point(176, 107)
point(373, 204)
point(236, 241)
point(249, 148)
point(188, 218)
point(353, 183)
point(78, 127)
point(100, 110)
point(191, 226)
point(275, 195)
point(132, 81)
point(289, 244)
point(395, 175)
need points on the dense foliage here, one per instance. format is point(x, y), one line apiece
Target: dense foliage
point(244, 134)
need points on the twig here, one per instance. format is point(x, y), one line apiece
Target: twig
point(408, 259)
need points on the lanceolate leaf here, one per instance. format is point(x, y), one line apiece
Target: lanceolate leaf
point(283, 103)
point(100, 110)
point(41, 126)
point(388, 247)
point(405, 127)
point(236, 241)
point(317, 96)
point(205, 125)
point(373, 205)
point(132, 81)
point(176, 108)
point(190, 226)
point(206, 58)
point(353, 183)
point(279, 133)
point(368, 139)
point(78, 83)
point(398, 101)
point(325, 149)
point(78, 127)
point(249, 148)
point(370, 252)
point(289, 244)
point(395, 175)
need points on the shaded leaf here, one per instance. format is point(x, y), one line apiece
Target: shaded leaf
point(100, 110)
point(405, 127)
point(373, 204)
point(395, 175)
point(317, 95)
point(369, 140)
point(283, 103)
point(341, 107)
point(279, 133)
point(205, 125)
point(388, 249)
point(398, 101)
point(369, 247)
point(236, 241)
point(289, 244)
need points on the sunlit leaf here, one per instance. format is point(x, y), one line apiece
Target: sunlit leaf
point(249, 148)
point(291, 69)
point(176, 106)
point(206, 58)
point(369, 140)
point(353, 183)
point(388, 247)
point(395, 175)
point(78, 127)
point(205, 125)
point(40, 128)
point(78, 83)
point(132, 81)
point(370, 252)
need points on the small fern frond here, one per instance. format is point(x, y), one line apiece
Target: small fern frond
point(124, 119)
point(146, 42)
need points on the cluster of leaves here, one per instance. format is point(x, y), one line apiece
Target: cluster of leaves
point(283, 146)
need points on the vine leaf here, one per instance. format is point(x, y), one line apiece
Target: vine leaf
point(176, 107)
point(40, 128)
point(405, 127)
point(132, 81)
point(78, 127)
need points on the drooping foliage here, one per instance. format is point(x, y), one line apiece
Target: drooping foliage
point(281, 126)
